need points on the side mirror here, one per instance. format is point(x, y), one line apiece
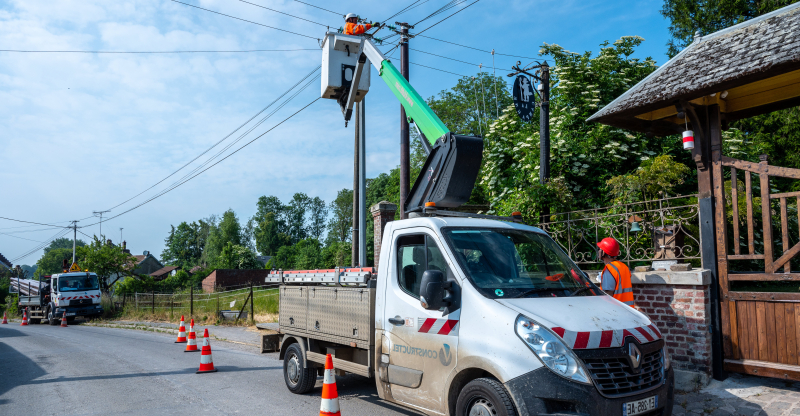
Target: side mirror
point(431, 290)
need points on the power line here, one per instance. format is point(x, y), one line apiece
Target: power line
point(32, 231)
point(40, 246)
point(21, 238)
point(219, 161)
point(30, 222)
point(329, 11)
point(471, 47)
point(431, 26)
point(220, 141)
point(162, 52)
point(437, 69)
point(244, 20)
point(442, 9)
point(405, 9)
point(287, 14)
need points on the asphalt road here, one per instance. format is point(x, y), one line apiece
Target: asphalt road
point(83, 370)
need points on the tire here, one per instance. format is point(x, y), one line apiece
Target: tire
point(299, 378)
point(484, 397)
point(52, 320)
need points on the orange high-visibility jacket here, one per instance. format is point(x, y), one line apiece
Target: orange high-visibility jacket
point(623, 291)
point(355, 29)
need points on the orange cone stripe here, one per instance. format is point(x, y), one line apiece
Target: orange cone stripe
point(64, 320)
point(206, 362)
point(330, 395)
point(181, 332)
point(191, 342)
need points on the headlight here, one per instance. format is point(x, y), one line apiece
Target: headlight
point(551, 350)
point(665, 356)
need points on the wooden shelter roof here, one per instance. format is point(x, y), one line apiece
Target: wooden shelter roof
point(748, 69)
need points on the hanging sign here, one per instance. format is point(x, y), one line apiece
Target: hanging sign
point(74, 268)
point(524, 97)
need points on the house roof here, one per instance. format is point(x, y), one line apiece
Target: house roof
point(195, 269)
point(751, 68)
point(4, 261)
point(164, 270)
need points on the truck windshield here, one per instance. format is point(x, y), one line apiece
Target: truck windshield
point(76, 283)
point(503, 263)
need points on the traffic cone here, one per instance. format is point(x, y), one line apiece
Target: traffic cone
point(330, 397)
point(206, 363)
point(181, 332)
point(191, 341)
point(64, 320)
point(5, 318)
point(24, 317)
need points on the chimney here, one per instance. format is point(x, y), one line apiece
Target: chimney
point(124, 245)
point(109, 242)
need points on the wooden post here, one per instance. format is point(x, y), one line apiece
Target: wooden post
point(252, 316)
point(191, 301)
point(171, 305)
point(136, 299)
point(153, 306)
point(714, 246)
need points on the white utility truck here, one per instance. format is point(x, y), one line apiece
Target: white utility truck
point(77, 293)
point(466, 314)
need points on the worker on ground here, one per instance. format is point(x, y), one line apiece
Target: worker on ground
point(615, 277)
point(353, 28)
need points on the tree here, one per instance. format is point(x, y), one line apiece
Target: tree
point(468, 107)
point(340, 225)
point(63, 243)
point(52, 261)
point(106, 261)
point(268, 235)
point(227, 231)
point(653, 180)
point(708, 16)
point(317, 215)
point(182, 246)
point(296, 217)
point(234, 256)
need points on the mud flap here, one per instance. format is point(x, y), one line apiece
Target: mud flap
point(449, 173)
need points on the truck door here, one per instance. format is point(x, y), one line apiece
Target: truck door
point(422, 345)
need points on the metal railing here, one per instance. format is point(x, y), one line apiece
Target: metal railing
point(662, 229)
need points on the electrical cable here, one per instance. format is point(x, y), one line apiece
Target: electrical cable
point(161, 52)
point(87, 235)
point(452, 59)
point(401, 11)
point(287, 14)
point(219, 161)
point(31, 231)
point(221, 140)
point(40, 246)
point(309, 4)
point(437, 69)
point(244, 20)
point(473, 48)
point(30, 222)
point(21, 238)
point(442, 9)
point(431, 26)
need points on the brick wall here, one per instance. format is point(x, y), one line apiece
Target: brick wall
point(226, 279)
point(382, 213)
point(681, 313)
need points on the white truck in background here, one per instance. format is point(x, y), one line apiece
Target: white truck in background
point(471, 316)
point(75, 293)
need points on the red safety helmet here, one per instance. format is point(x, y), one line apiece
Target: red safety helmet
point(609, 246)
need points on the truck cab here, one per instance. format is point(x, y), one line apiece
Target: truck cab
point(515, 323)
point(76, 293)
point(472, 316)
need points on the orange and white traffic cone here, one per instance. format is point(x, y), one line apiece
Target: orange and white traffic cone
point(64, 320)
point(330, 397)
point(24, 317)
point(5, 318)
point(181, 332)
point(191, 341)
point(206, 363)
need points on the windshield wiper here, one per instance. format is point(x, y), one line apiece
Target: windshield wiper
point(581, 290)
point(538, 289)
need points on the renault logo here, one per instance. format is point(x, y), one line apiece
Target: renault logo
point(635, 356)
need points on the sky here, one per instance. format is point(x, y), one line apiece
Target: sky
point(86, 132)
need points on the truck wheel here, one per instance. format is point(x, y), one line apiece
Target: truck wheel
point(484, 397)
point(52, 320)
point(299, 378)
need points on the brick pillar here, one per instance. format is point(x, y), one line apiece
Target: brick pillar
point(382, 213)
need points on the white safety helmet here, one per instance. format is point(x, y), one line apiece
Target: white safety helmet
point(349, 15)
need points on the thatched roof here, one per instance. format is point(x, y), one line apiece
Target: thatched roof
point(748, 69)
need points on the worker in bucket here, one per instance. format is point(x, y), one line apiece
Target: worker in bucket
point(353, 28)
point(616, 276)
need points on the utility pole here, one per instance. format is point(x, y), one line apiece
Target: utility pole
point(356, 199)
point(362, 183)
point(405, 163)
point(120, 235)
point(74, 238)
point(101, 219)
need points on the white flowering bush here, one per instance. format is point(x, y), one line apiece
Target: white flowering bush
point(583, 156)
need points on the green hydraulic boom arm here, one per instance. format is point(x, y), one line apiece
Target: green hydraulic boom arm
point(453, 162)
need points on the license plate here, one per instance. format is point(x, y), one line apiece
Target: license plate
point(640, 406)
point(70, 313)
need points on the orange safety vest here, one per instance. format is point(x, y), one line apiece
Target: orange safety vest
point(355, 29)
point(623, 291)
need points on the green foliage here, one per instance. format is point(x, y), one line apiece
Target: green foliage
point(269, 238)
point(104, 260)
point(468, 107)
point(184, 245)
point(229, 230)
point(708, 16)
point(583, 155)
point(63, 243)
point(654, 179)
point(52, 261)
point(341, 223)
point(234, 256)
point(337, 254)
point(276, 224)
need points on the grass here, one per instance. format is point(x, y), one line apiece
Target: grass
point(170, 307)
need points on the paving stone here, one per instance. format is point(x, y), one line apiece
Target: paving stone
point(796, 411)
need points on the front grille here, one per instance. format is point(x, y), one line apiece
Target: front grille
point(80, 302)
point(613, 375)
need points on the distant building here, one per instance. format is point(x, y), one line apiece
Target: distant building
point(165, 272)
point(4, 263)
point(146, 264)
point(230, 279)
point(263, 259)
